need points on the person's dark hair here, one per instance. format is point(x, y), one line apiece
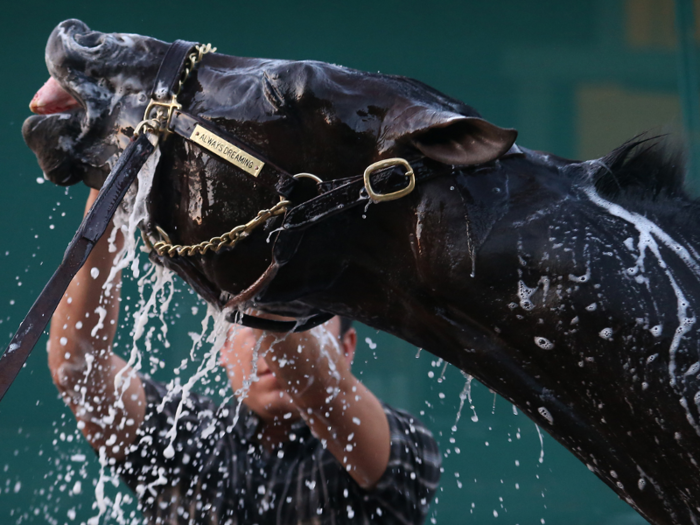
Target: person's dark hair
point(345, 325)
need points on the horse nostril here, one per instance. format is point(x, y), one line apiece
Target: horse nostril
point(92, 39)
point(77, 32)
point(73, 26)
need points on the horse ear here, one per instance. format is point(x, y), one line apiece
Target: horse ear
point(465, 141)
point(452, 138)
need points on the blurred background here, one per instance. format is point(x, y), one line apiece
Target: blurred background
point(576, 78)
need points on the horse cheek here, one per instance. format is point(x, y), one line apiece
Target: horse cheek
point(442, 251)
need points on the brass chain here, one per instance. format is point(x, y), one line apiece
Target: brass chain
point(214, 244)
point(193, 59)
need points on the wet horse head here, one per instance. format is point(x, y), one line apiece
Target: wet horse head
point(568, 287)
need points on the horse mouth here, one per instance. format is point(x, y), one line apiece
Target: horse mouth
point(62, 130)
point(54, 131)
point(52, 98)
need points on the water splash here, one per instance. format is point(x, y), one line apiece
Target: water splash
point(468, 393)
point(127, 219)
point(131, 213)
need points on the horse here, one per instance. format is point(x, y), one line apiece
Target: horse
point(568, 287)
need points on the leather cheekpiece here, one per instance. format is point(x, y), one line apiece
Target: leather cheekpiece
point(170, 70)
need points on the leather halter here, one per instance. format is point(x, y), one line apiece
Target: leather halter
point(382, 182)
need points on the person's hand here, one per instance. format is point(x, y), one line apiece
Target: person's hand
point(313, 369)
point(310, 364)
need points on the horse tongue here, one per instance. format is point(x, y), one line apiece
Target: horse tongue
point(52, 98)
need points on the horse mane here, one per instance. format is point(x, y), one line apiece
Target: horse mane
point(643, 169)
point(647, 175)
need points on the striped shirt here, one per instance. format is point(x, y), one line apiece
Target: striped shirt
point(217, 473)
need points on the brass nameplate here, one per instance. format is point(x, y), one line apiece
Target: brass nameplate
point(226, 150)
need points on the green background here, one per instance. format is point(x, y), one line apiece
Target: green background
point(575, 78)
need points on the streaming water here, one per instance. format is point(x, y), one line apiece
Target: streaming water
point(650, 235)
point(128, 216)
point(539, 434)
point(216, 338)
point(466, 392)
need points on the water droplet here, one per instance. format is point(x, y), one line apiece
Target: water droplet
point(606, 333)
point(546, 414)
point(544, 343)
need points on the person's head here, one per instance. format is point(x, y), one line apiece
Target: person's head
point(265, 396)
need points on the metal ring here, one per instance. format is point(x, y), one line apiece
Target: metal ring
point(146, 241)
point(379, 197)
point(308, 176)
point(152, 125)
point(163, 235)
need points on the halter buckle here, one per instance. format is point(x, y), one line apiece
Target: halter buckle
point(160, 122)
point(383, 197)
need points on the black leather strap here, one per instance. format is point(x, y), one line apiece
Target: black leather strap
point(338, 195)
point(273, 325)
point(170, 70)
point(351, 192)
point(91, 229)
point(272, 176)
